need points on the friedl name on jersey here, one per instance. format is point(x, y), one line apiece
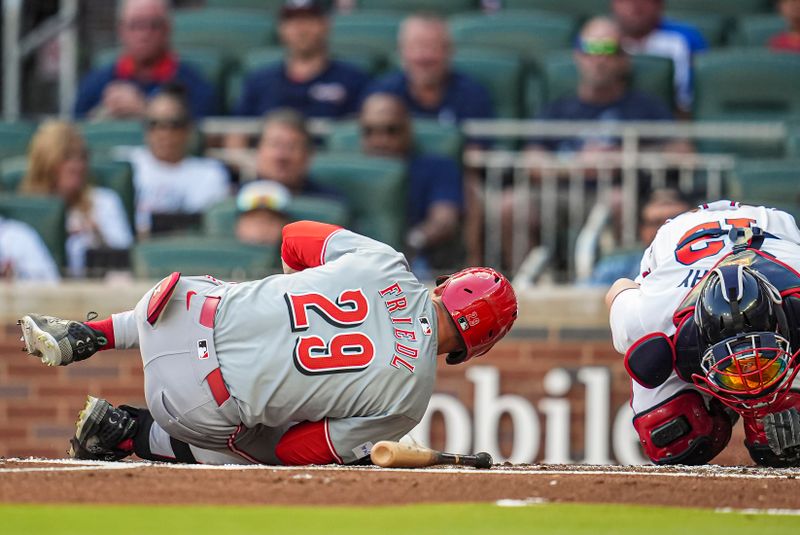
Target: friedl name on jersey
point(693, 276)
point(405, 338)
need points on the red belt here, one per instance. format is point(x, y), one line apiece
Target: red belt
point(214, 379)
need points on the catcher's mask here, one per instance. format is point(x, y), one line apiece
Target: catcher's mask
point(748, 360)
point(483, 306)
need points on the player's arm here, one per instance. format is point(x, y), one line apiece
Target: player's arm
point(619, 286)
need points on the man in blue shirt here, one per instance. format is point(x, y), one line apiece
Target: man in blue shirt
point(435, 191)
point(308, 79)
point(121, 90)
point(427, 84)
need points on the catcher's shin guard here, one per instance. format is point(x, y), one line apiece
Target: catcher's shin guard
point(682, 430)
point(59, 342)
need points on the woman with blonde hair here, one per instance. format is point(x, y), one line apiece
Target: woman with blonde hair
point(58, 165)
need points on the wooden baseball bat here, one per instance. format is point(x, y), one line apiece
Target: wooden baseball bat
point(396, 455)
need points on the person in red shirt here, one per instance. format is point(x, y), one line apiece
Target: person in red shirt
point(788, 40)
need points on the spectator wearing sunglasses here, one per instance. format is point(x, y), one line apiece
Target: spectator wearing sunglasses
point(58, 165)
point(167, 179)
point(435, 191)
point(146, 62)
point(262, 207)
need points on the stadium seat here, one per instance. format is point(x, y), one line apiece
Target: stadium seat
point(769, 182)
point(375, 30)
point(219, 221)
point(722, 7)
point(272, 7)
point(756, 30)
point(43, 213)
point(102, 172)
point(747, 84)
point(443, 7)
point(500, 72)
point(711, 26)
point(14, 137)
point(529, 34)
point(105, 136)
point(651, 74)
point(228, 30)
point(374, 189)
point(576, 8)
point(430, 136)
point(201, 255)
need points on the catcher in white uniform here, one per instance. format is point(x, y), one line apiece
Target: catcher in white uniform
point(710, 330)
point(309, 367)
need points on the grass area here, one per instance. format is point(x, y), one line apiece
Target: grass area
point(420, 519)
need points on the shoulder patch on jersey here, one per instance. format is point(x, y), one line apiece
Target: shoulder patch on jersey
point(426, 325)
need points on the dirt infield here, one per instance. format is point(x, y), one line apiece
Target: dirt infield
point(52, 481)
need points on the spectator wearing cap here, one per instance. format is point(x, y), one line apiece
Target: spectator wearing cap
point(58, 166)
point(23, 254)
point(646, 31)
point(120, 90)
point(284, 154)
point(262, 208)
point(308, 79)
point(789, 39)
point(166, 177)
point(427, 84)
point(435, 191)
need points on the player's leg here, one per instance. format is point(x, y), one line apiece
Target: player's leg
point(677, 425)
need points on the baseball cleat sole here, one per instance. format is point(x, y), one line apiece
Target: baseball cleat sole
point(87, 422)
point(39, 343)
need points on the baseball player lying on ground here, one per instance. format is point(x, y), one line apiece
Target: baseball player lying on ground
point(710, 330)
point(310, 367)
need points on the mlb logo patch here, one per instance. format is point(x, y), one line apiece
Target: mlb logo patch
point(362, 450)
point(202, 349)
point(463, 323)
point(426, 325)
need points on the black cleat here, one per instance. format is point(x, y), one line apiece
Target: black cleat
point(59, 342)
point(100, 430)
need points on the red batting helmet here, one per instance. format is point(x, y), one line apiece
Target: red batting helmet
point(483, 305)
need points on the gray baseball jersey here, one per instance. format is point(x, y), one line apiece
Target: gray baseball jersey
point(351, 341)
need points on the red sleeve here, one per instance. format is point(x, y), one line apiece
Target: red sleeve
point(306, 443)
point(304, 243)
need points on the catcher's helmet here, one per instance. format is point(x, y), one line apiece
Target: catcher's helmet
point(483, 305)
point(747, 360)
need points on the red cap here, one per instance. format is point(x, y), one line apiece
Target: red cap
point(483, 305)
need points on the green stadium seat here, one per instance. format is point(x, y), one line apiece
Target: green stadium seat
point(430, 137)
point(711, 26)
point(373, 187)
point(577, 8)
point(105, 136)
point(219, 221)
point(443, 7)
point(769, 182)
point(500, 73)
point(14, 137)
point(114, 175)
point(373, 29)
point(651, 74)
point(264, 5)
point(228, 30)
point(528, 34)
point(201, 255)
point(756, 30)
point(43, 213)
point(722, 7)
point(746, 84)
point(209, 61)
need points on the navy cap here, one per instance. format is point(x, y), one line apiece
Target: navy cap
point(309, 7)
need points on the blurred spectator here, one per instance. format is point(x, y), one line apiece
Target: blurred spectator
point(645, 31)
point(284, 154)
point(788, 40)
point(308, 80)
point(23, 254)
point(603, 94)
point(262, 212)
point(58, 165)
point(661, 206)
point(435, 192)
point(120, 90)
point(427, 84)
point(167, 179)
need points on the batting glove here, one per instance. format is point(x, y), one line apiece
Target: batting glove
point(782, 430)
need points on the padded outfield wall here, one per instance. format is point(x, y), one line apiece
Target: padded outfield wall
point(554, 391)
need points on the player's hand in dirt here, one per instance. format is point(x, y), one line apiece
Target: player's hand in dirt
point(782, 430)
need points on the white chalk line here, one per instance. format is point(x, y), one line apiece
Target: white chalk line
point(776, 512)
point(719, 472)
